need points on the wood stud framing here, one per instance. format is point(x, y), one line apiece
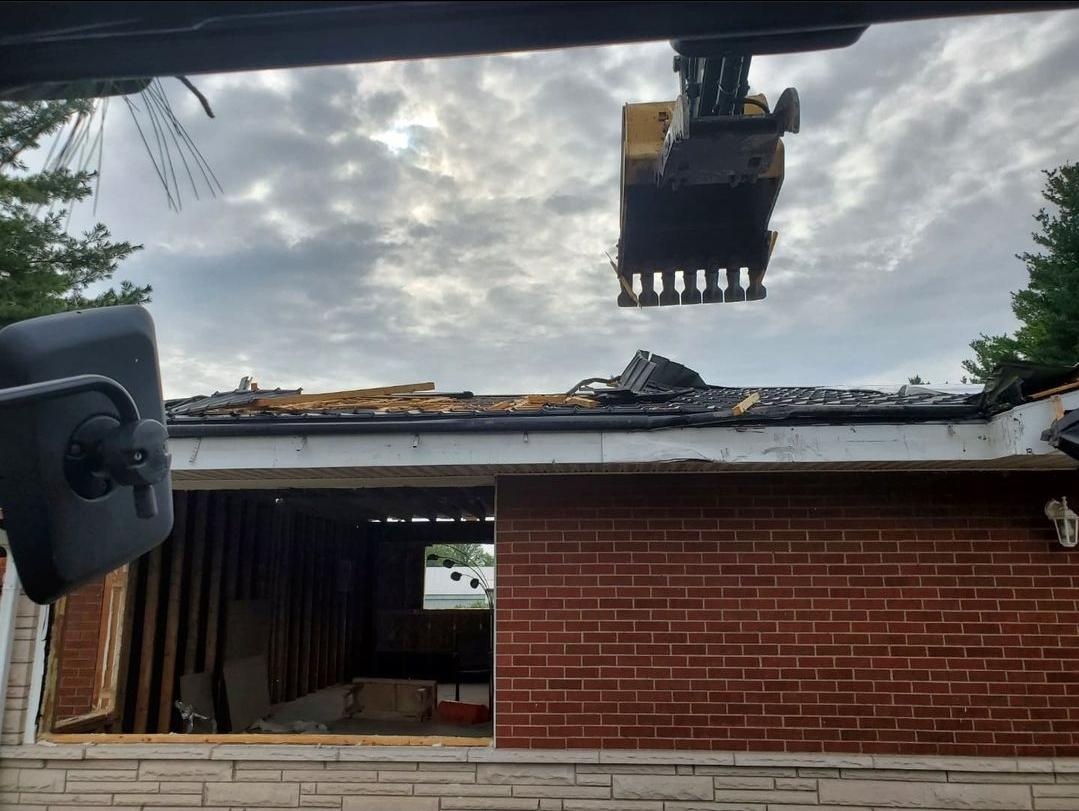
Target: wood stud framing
point(228, 546)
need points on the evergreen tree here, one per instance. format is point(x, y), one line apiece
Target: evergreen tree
point(1048, 309)
point(43, 268)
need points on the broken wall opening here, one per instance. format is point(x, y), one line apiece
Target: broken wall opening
point(280, 611)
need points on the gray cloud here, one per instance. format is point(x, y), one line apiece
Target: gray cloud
point(447, 220)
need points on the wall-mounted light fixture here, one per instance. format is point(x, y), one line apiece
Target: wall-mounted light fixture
point(1065, 521)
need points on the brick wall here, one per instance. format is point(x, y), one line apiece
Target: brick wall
point(77, 637)
point(418, 778)
point(926, 613)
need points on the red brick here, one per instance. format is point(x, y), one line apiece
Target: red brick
point(924, 613)
point(77, 654)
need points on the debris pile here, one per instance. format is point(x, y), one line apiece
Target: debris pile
point(405, 398)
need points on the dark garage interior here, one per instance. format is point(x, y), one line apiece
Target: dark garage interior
point(301, 611)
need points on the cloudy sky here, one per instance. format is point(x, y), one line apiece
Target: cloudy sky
point(446, 220)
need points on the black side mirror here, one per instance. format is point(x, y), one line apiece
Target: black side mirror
point(84, 466)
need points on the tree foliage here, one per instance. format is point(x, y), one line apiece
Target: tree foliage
point(1048, 309)
point(467, 554)
point(43, 268)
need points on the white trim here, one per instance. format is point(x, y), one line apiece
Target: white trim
point(37, 675)
point(1009, 440)
point(8, 603)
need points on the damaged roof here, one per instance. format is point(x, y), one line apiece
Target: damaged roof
point(652, 392)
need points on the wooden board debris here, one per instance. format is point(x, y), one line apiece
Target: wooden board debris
point(412, 398)
point(336, 396)
point(744, 405)
point(535, 402)
point(1040, 395)
point(88, 722)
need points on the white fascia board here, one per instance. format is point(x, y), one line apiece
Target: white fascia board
point(1012, 434)
point(384, 450)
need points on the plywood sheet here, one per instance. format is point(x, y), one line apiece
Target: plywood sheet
point(247, 629)
point(247, 691)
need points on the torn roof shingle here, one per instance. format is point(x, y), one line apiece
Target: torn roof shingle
point(712, 398)
point(651, 392)
point(222, 401)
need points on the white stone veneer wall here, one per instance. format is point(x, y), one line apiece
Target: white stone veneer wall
point(27, 615)
point(231, 776)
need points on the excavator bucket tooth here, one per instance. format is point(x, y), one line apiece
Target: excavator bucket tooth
point(756, 290)
point(691, 292)
point(694, 189)
point(734, 291)
point(669, 294)
point(648, 297)
point(712, 294)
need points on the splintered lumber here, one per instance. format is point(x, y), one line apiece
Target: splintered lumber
point(391, 399)
point(399, 404)
point(336, 396)
point(746, 404)
point(553, 399)
point(111, 639)
point(534, 402)
point(58, 624)
point(84, 723)
point(125, 642)
point(1039, 395)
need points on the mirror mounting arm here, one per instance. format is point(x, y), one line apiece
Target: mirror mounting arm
point(131, 452)
point(66, 386)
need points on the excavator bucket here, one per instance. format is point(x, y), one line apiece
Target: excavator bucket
point(697, 197)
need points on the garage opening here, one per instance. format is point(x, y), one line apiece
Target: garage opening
point(360, 612)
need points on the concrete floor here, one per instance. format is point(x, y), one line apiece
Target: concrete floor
point(327, 707)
